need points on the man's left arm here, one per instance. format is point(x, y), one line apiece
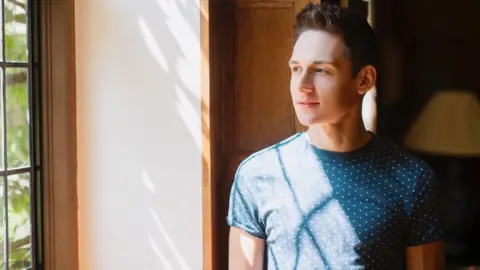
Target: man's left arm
point(426, 257)
point(425, 250)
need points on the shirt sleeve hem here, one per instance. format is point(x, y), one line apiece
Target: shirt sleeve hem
point(425, 241)
point(248, 230)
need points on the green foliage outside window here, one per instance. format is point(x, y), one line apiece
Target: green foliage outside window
point(17, 140)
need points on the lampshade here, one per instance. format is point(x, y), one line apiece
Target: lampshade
point(448, 125)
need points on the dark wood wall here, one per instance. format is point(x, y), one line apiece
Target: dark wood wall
point(436, 44)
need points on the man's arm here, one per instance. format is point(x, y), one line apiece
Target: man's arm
point(246, 252)
point(425, 250)
point(426, 257)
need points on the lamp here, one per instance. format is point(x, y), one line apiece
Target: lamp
point(448, 125)
point(449, 128)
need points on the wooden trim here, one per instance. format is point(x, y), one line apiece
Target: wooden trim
point(217, 75)
point(253, 4)
point(208, 186)
point(57, 25)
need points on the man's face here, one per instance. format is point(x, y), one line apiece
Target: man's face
point(321, 84)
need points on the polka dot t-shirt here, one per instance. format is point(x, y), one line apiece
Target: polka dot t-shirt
point(328, 210)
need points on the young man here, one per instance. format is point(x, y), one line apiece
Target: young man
point(336, 196)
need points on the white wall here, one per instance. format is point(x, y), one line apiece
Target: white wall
point(139, 158)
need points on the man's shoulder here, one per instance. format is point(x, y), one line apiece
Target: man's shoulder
point(400, 158)
point(267, 160)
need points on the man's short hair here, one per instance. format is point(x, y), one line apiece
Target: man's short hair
point(352, 26)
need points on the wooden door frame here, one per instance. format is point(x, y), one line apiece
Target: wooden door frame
point(208, 139)
point(208, 191)
point(215, 33)
point(58, 128)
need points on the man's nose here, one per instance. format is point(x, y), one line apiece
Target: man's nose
point(306, 83)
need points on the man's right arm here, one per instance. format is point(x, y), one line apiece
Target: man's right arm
point(246, 252)
point(247, 231)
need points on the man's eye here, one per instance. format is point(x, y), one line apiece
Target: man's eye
point(321, 71)
point(296, 69)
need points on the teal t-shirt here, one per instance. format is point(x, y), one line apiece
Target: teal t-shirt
point(328, 210)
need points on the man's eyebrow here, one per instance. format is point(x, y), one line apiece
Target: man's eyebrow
point(318, 62)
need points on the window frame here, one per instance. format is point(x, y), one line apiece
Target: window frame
point(31, 65)
point(58, 132)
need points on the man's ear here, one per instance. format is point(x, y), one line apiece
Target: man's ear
point(366, 79)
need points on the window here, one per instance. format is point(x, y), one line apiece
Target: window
point(19, 137)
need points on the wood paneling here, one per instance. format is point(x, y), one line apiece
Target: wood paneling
point(263, 108)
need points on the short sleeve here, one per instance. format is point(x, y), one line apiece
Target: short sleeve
point(424, 220)
point(243, 208)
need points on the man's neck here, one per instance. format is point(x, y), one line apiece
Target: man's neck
point(346, 135)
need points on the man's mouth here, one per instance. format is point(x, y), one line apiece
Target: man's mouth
point(308, 104)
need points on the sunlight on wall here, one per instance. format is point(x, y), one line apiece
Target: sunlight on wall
point(139, 134)
point(166, 265)
point(189, 115)
point(178, 256)
point(153, 45)
point(148, 183)
point(188, 40)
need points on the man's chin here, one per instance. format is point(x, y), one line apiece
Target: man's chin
point(309, 120)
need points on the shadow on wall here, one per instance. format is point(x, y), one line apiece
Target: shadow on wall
point(143, 133)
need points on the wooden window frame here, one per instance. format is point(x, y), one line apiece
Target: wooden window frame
point(58, 124)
